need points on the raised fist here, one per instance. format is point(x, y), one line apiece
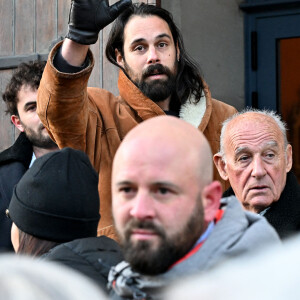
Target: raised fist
point(88, 17)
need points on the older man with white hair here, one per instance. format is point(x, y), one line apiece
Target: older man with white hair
point(256, 158)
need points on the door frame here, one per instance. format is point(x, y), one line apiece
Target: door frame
point(255, 10)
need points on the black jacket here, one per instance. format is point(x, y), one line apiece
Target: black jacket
point(284, 214)
point(14, 162)
point(91, 256)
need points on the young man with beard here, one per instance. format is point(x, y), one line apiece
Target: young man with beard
point(34, 141)
point(168, 211)
point(156, 77)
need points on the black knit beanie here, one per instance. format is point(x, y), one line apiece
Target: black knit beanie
point(57, 198)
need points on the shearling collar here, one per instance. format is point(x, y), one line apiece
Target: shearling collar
point(193, 113)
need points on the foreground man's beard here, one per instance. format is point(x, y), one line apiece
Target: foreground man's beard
point(148, 259)
point(157, 90)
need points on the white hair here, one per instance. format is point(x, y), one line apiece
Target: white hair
point(268, 113)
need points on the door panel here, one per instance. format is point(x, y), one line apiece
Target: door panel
point(278, 73)
point(269, 31)
point(289, 92)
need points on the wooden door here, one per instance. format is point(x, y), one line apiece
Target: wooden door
point(27, 29)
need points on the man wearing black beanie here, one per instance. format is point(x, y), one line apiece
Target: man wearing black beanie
point(55, 213)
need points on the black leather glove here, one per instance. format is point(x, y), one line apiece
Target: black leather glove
point(88, 17)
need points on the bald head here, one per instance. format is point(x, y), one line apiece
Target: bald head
point(253, 117)
point(162, 191)
point(255, 157)
point(169, 137)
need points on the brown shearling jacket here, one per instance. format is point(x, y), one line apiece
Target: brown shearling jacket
point(95, 121)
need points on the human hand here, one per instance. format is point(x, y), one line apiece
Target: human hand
point(88, 17)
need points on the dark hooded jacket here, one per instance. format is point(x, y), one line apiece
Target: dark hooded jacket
point(92, 256)
point(14, 162)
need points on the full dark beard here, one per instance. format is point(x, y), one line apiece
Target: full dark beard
point(149, 260)
point(156, 90)
point(38, 139)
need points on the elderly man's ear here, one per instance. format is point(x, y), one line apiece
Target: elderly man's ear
point(289, 157)
point(221, 166)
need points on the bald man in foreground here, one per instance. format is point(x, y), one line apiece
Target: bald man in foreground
point(168, 212)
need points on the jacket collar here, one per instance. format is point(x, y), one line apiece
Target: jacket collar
point(197, 114)
point(20, 151)
point(144, 107)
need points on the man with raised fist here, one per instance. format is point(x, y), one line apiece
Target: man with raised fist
point(156, 77)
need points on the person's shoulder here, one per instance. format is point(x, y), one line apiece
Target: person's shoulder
point(87, 247)
point(104, 101)
point(219, 112)
point(99, 92)
point(20, 151)
point(256, 227)
point(92, 256)
point(224, 107)
point(293, 183)
point(102, 97)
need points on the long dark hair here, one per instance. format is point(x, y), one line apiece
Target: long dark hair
point(189, 81)
point(33, 246)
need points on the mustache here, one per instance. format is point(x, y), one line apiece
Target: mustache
point(145, 224)
point(156, 69)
